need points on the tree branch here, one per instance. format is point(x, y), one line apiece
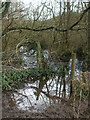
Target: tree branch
point(6, 5)
point(48, 28)
point(80, 18)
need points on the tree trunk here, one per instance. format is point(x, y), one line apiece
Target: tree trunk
point(89, 56)
point(64, 82)
point(72, 74)
point(68, 19)
point(39, 55)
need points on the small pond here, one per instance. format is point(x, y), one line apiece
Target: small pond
point(37, 95)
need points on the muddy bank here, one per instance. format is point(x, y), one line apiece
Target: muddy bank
point(42, 99)
point(56, 110)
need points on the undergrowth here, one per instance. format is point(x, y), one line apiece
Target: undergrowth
point(12, 79)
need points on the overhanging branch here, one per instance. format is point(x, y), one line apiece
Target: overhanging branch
point(80, 18)
point(48, 28)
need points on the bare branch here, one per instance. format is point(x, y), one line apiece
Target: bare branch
point(48, 28)
point(80, 18)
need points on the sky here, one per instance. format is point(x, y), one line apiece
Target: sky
point(38, 1)
point(34, 2)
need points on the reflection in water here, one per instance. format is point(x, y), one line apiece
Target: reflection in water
point(30, 59)
point(40, 94)
point(78, 68)
point(26, 98)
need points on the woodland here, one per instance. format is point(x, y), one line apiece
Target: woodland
point(45, 63)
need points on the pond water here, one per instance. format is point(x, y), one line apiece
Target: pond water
point(36, 96)
point(39, 95)
point(30, 58)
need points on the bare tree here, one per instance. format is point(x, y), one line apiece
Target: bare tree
point(89, 56)
point(5, 7)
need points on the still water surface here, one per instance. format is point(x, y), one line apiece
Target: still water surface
point(36, 96)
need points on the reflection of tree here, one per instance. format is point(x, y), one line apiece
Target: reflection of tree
point(54, 97)
point(54, 83)
point(41, 85)
point(24, 95)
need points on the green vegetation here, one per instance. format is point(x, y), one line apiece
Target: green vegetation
point(58, 33)
point(13, 78)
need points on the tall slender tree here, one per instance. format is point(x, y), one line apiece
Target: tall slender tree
point(89, 56)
